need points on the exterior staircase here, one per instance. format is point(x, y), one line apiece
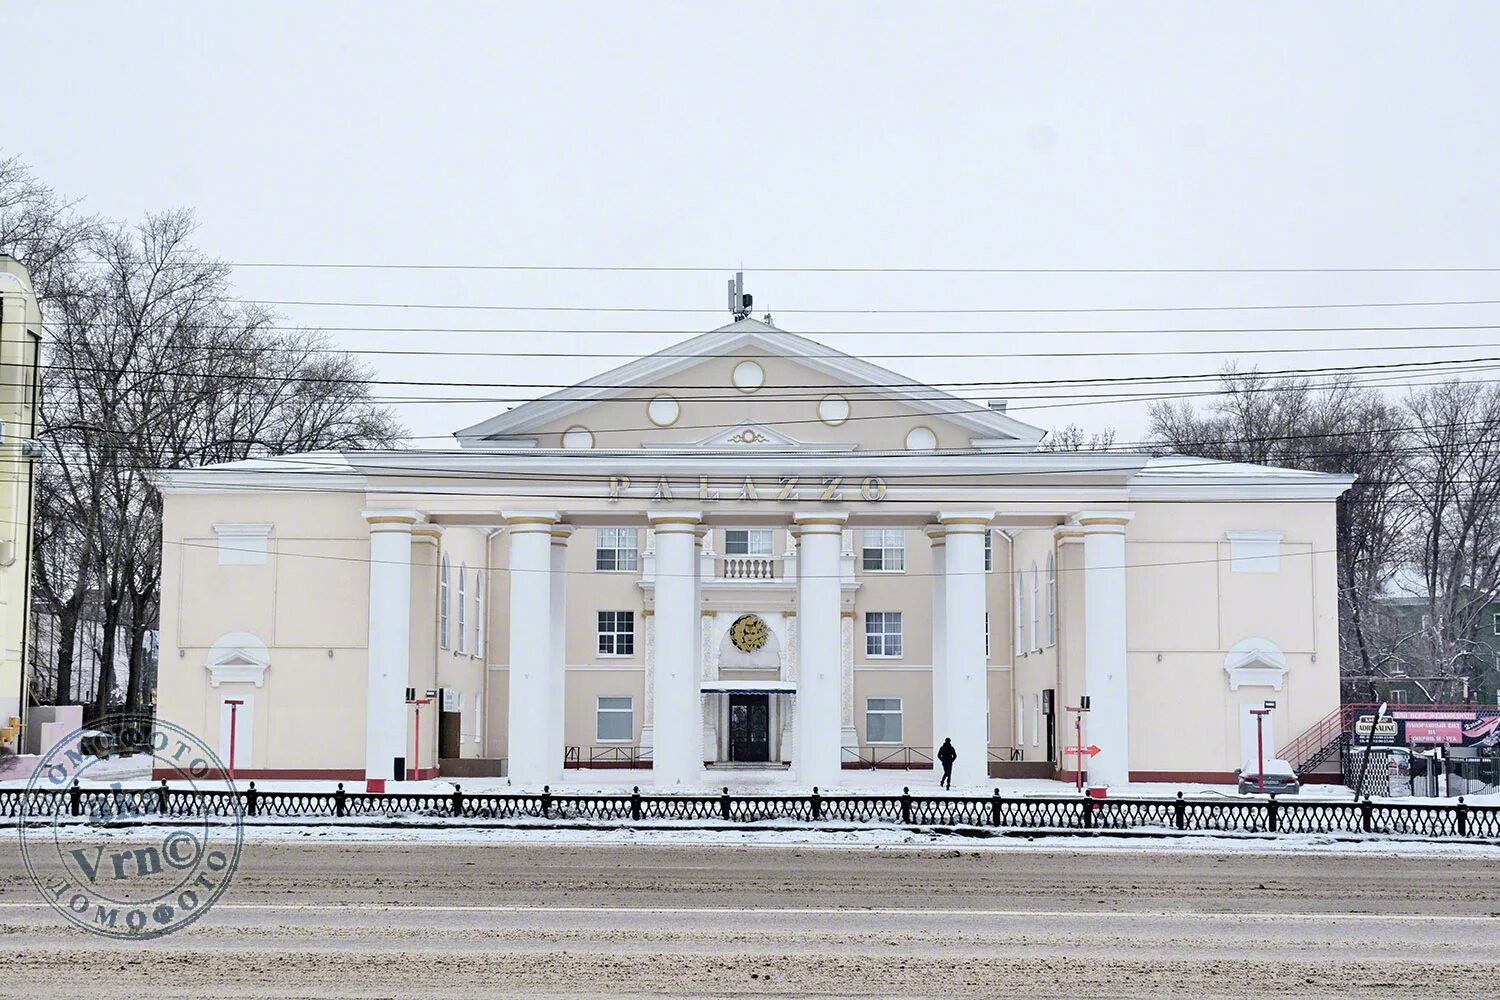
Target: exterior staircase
point(1322, 740)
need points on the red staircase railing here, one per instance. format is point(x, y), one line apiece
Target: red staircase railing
point(1323, 734)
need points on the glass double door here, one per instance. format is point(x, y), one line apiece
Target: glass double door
point(750, 728)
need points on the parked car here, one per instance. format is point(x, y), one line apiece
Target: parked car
point(1280, 779)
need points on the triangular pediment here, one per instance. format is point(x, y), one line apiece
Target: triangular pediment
point(610, 410)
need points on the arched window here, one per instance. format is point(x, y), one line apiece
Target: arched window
point(443, 575)
point(1036, 606)
point(463, 607)
point(1020, 616)
point(479, 614)
point(1051, 600)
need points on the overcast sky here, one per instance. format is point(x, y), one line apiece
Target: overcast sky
point(825, 135)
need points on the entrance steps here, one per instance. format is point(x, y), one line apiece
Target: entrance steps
point(741, 765)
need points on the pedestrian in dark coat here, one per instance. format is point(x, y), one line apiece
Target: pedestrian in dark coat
point(946, 756)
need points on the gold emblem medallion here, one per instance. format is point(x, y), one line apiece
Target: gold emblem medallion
point(749, 633)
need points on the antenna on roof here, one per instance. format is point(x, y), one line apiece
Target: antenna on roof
point(739, 302)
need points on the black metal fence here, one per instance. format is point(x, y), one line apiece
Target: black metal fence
point(1070, 813)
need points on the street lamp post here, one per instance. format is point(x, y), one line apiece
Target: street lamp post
point(1260, 747)
point(1364, 765)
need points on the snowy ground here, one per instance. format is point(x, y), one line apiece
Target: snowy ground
point(136, 769)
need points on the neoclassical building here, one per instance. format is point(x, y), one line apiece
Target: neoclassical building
point(746, 551)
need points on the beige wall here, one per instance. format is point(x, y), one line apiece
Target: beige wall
point(20, 336)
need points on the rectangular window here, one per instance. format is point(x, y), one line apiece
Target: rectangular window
point(617, 633)
point(617, 549)
point(614, 720)
point(986, 634)
point(1254, 551)
point(882, 720)
point(1495, 624)
point(882, 633)
point(1036, 719)
point(747, 541)
point(1398, 696)
point(479, 614)
point(884, 549)
point(463, 607)
point(989, 549)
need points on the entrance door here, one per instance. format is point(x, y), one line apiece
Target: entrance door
point(750, 727)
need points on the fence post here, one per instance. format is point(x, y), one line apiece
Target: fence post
point(1462, 817)
point(1273, 814)
point(546, 801)
point(906, 806)
point(1088, 813)
point(635, 802)
point(161, 797)
point(995, 808)
point(252, 797)
point(75, 799)
point(338, 800)
point(816, 803)
point(1179, 813)
point(1366, 815)
point(724, 804)
point(458, 801)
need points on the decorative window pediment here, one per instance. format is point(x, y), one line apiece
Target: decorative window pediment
point(238, 657)
point(1255, 662)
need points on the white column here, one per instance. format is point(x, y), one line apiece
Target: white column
point(965, 668)
point(819, 756)
point(388, 659)
point(531, 739)
point(677, 753)
point(558, 594)
point(1105, 680)
point(937, 535)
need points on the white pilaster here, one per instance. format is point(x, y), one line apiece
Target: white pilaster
point(965, 671)
point(558, 676)
point(936, 533)
point(531, 737)
point(1104, 661)
point(677, 753)
point(388, 662)
point(819, 710)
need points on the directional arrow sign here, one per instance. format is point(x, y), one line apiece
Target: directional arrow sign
point(1088, 750)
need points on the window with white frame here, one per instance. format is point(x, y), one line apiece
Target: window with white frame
point(443, 584)
point(614, 719)
point(617, 549)
point(479, 614)
point(747, 541)
point(989, 549)
point(986, 635)
point(883, 720)
point(478, 718)
point(1495, 623)
point(1020, 616)
point(616, 633)
point(1019, 736)
point(1036, 607)
point(463, 607)
point(883, 549)
point(882, 633)
point(1398, 696)
point(1036, 720)
point(1051, 600)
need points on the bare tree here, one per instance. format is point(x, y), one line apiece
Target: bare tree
point(1075, 438)
point(149, 364)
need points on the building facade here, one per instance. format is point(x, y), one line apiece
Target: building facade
point(749, 550)
point(20, 386)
